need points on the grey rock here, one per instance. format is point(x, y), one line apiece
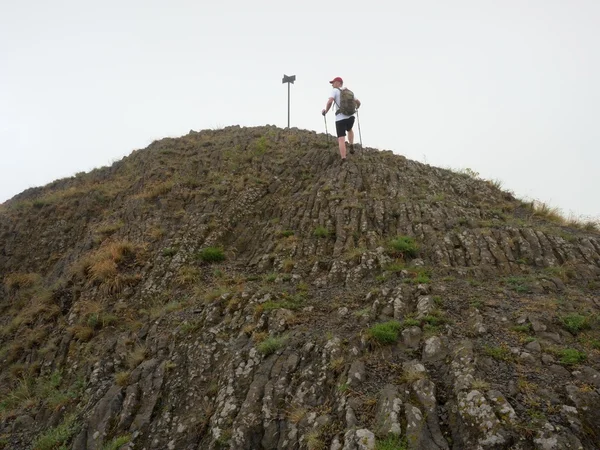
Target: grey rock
point(550, 438)
point(571, 416)
point(528, 359)
point(475, 324)
point(534, 347)
point(389, 407)
point(502, 407)
point(279, 319)
point(588, 405)
point(425, 305)
point(548, 359)
point(356, 374)
point(588, 375)
point(537, 325)
point(434, 350)
point(559, 371)
point(361, 439)
point(106, 409)
point(411, 337)
point(418, 433)
point(552, 338)
point(23, 423)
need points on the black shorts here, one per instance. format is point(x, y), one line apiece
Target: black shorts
point(341, 126)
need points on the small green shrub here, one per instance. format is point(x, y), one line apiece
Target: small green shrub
point(519, 284)
point(392, 442)
point(575, 322)
point(403, 246)
point(501, 353)
point(57, 437)
point(169, 251)
point(410, 322)
point(571, 356)
point(418, 275)
point(190, 327)
point(321, 232)
point(286, 233)
point(212, 254)
point(271, 277)
point(117, 443)
point(386, 332)
point(270, 345)
point(477, 304)
point(293, 303)
point(435, 319)
point(395, 267)
point(343, 387)
point(525, 328)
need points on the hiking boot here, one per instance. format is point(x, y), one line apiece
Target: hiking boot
point(352, 149)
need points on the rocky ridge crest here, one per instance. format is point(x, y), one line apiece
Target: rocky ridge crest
point(242, 289)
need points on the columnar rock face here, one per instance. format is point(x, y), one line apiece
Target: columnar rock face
point(243, 289)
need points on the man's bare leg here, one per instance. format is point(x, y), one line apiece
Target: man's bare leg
point(350, 137)
point(342, 144)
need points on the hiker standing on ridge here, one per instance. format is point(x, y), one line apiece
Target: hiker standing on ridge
point(344, 116)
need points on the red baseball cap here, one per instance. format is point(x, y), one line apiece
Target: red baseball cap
point(337, 79)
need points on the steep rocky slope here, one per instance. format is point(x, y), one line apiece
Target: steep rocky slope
point(242, 289)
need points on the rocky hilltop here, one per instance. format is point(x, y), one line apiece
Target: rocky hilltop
point(243, 289)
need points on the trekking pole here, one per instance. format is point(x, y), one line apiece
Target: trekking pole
point(359, 133)
point(326, 132)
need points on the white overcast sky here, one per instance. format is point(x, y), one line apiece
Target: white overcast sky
point(508, 88)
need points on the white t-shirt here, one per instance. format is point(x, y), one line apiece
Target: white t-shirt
point(336, 98)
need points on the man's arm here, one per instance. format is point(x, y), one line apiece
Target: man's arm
point(327, 106)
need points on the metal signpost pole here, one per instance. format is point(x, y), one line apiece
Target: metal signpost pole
point(289, 80)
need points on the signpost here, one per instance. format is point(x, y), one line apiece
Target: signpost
point(289, 80)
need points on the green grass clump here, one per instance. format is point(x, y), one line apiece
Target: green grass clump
point(501, 353)
point(169, 251)
point(270, 345)
point(525, 328)
point(575, 322)
point(59, 436)
point(571, 356)
point(117, 443)
point(419, 275)
point(410, 322)
point(321, 232)
point(294, 304)
point(395, 267)
point(392, 442)
point(435, 319)
point(404, 246)
point(386, 332)
point(519, 284)
point(212, 254)
point(32, 390)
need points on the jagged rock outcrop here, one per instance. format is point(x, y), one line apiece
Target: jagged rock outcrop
point(242, 289)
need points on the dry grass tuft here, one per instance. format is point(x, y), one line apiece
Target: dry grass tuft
point(542, 209)
point(122, 378)
point(104, 267)
point(15, 281)
point(136, 356)
point(187, 275)
point(82, 333)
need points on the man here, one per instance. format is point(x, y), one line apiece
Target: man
point(343, 122)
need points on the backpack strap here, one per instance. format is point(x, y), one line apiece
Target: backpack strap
point(338, 106)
